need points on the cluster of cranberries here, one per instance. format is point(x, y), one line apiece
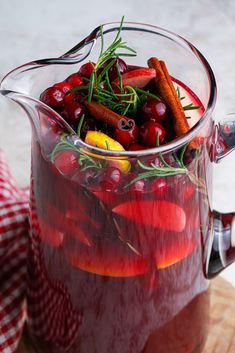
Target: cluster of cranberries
point(68, 105)
point(113, 179)
point(147, 131)
point(145, 135)
point(149, 119)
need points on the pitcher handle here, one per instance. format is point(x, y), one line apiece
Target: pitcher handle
point(222, 232)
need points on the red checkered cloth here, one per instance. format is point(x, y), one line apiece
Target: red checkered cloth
point(50, 313)
point(13, 251)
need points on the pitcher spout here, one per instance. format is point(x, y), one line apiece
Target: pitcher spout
point(24, 84)
point(43, 119)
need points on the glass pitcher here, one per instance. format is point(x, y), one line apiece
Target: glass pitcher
point(127, 269)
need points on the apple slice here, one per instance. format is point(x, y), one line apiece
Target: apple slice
point(50, 235)
point(156, 213)
point(190, 97)
point(174, 251)
point(101, 140)
point(78, 233)
point(78, 215)
point(138, 77)
point(62, 224)
point(107, 258)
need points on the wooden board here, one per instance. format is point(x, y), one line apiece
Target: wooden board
point(221, 338)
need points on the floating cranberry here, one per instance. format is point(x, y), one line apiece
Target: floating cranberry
point(159, 187)
point(152, 160)
point(181, 187)
point(66, 161)
point(170, 159)
point(65, 87)
point(155, 110)
point(158, 162)
point(110, 179)
point(138, 186)
point(75, 80)
point(126, 137)
point(151, 132)
point(188, 190)
point(73, 112)
point(86, 69)
point(89, 176)
point(89, 124)
point(118, 65)
point(136, 147)
point(53, 96)
point(169, 128)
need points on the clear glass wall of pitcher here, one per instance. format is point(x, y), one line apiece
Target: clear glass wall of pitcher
point(123, 270)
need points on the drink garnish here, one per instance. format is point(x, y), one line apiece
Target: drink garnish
point(101, 112)
point(167, 91)
point(109, 56)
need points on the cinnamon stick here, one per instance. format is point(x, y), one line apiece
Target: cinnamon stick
point(100, 112)
point(167, 91)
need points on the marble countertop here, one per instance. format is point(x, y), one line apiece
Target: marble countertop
point(30, 30)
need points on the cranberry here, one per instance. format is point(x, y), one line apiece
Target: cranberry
point(72, 112)
point(159, 187)
point(126, 137)
point(157, 162)
point(65, 87)
point(89, 176)
point(138, 186)
point(135, 147)
point(169, 128)
point(86, 69)
point(53, 96)
point(89, 124)
point(181, 186)
point(75, 80)
point(170, 159)
point(118, 64)
point(155, 110)
point(188, 190)
point(149, 132)
point(110, 179)
point(66, 161)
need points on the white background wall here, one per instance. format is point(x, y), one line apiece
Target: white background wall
point(35, 29)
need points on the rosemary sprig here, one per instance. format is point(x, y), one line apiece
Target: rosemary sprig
point(112, 52)
point(80, 125)
point(167, 170)
point(85, 161)
point(179, 93)
point(146, 93)
point(154, 171)
point(190, 106)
